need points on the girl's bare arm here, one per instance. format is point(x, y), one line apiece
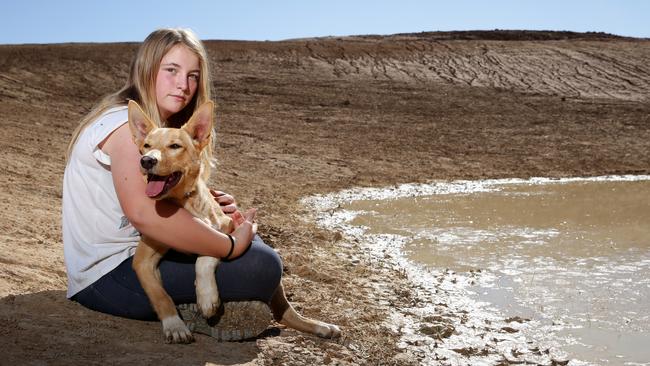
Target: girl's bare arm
point(161, 220)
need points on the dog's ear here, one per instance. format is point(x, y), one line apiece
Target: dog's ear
point(199, 127)
point(139, 123)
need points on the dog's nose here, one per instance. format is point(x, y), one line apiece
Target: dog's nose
point(147, 162)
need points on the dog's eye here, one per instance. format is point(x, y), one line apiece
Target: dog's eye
point(175, 146)
point(146, 146)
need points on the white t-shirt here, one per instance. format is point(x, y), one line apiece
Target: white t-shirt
point(97, 236)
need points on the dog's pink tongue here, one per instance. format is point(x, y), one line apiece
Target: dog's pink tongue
point(155, 187)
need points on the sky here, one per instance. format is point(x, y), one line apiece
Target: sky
point(46, 21)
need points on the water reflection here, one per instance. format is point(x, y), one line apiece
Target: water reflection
point(576, 254)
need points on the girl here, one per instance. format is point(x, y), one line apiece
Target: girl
point(105, 207)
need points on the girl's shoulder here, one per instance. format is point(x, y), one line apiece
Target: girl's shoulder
point(112, 116)
point(104, 125)
point(89, 140)
point(108, 121)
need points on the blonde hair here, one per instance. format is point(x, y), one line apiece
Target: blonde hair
point(141, 84)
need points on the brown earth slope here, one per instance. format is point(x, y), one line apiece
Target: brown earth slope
point(302, 117)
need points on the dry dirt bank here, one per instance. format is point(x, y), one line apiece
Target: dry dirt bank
point(303, 117)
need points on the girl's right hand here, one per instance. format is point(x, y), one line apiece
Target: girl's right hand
point(244, 232)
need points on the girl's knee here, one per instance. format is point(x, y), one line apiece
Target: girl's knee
point(268, 261)
point(254, 275)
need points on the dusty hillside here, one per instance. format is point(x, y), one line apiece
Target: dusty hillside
point(312, 116)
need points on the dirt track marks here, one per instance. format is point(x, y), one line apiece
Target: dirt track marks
point(585, 69)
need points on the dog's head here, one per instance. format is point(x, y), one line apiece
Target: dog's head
point(171, 157)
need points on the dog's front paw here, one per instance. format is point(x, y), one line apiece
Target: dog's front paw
point(175, 331)
point(207, 292)
point(208, 301)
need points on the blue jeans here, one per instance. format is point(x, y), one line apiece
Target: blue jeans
point(253, 276)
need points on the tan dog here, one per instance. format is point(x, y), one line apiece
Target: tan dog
point(171, 164)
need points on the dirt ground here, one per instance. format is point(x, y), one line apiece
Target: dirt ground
point(302, 117)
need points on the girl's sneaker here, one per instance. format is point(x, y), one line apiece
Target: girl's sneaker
point(239, 320)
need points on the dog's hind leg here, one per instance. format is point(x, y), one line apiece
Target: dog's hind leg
point(145, 264)
point(285, 314)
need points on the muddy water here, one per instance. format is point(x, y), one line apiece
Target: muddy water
point(571, 254)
